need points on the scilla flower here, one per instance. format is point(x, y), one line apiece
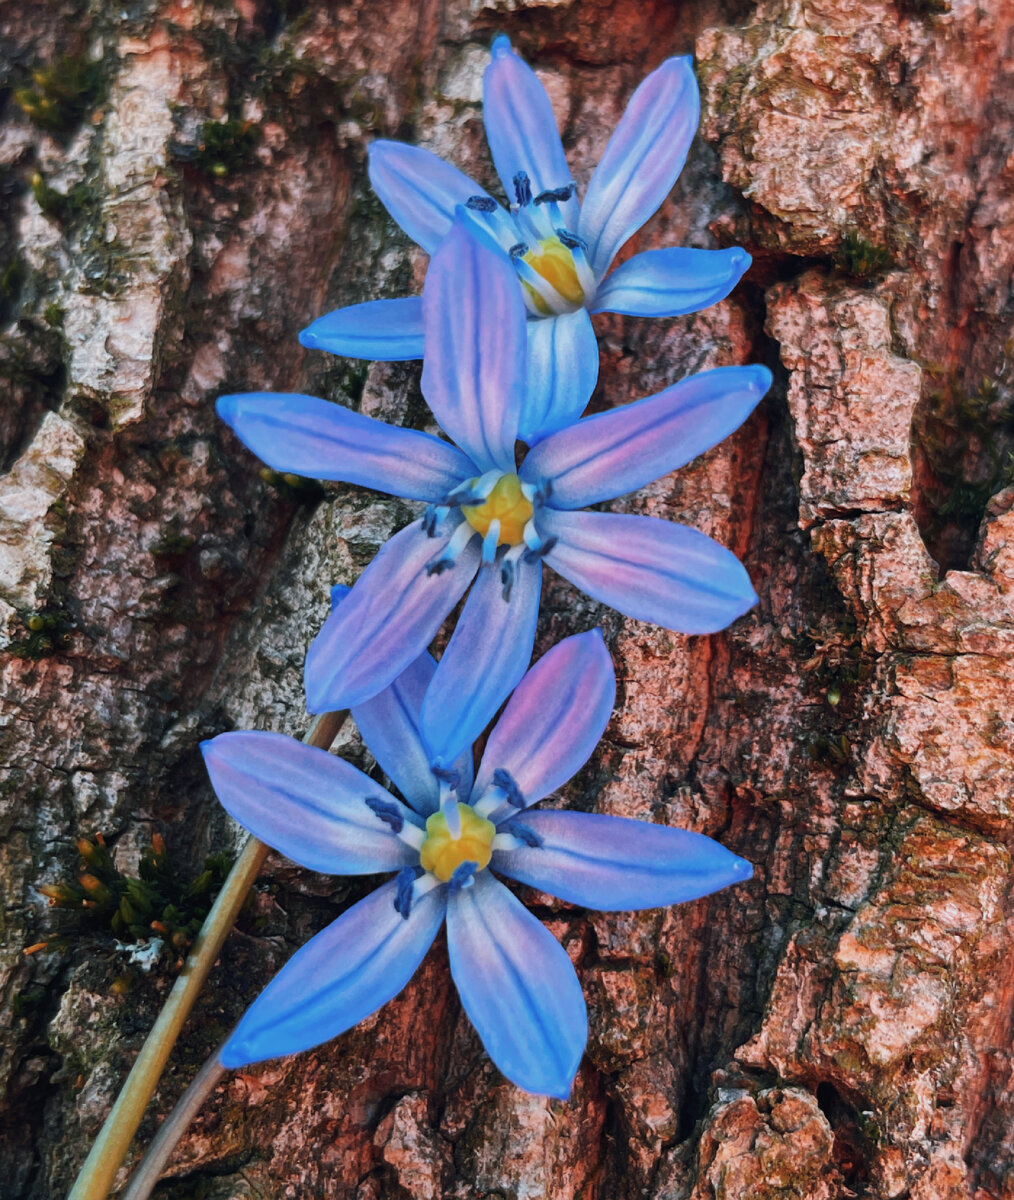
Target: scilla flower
point(492, 522)
point(561, 251)
point(448, 840)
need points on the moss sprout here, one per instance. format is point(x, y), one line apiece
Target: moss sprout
point(155, 904)
point(62, 94)
point(860, 258)
point(226, 147)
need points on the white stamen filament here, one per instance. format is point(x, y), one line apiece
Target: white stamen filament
point(531, 536)
point(425, 883)
point(491, 541)
point(490, 801)
point(506, 841)
point(458, 541)
point(544, 289)
point(449, 807)
point(412, 835)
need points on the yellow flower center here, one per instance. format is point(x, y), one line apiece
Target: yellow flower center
point(443, 854)
point(555, 263)
point(507, 504)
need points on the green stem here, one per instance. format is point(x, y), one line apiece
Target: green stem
point(100, 1167)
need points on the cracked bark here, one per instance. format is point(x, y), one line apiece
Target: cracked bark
point(839, 1027)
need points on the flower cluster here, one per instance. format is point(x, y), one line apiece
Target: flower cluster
point(509, 364)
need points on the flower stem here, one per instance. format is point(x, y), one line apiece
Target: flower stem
point(111, 1146)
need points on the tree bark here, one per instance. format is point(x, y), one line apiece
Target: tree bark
point(838, 1027)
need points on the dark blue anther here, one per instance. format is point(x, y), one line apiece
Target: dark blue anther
point(543, 550)
point(571, 240)
point(462, 877)
point(387, 812)
point(481, 204)
point(449, 776)
point(518, 250)
point(507, 573)
point(559, 194)
point(524, 833)
point(403, 896)
point(523, 188)
point(504, 780)
point(429, 520)
point(438, 567)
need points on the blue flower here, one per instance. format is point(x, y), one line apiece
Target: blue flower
point(494, 523)
point(448, 841)
point(561, 251)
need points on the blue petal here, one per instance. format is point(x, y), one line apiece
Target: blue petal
point(554, 720)
point(623, 449)
point(642, 160)
point(612, 864)
point(652, 570)
point(309, 436)
point(391, 728)
point(345, 973)
point(484, 660)
point(392, 613)
point(521, 128)
point(517, 986)
point(384, 330)
point(474, 371)
point(563, 366)
point(419, 190)
point(668, 283)
point(306, 803)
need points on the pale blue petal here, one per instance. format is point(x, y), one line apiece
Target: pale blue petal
point(419, 190)
point(668, 283)
point(652, 570)
point(381, 330)
point(484, 660)
point(391, 728)
point(563, 366)
point(642, 160)
point(613, 864)
point(618, 451)
point(306, 803)
point(521, 128)
point(344, 974)
point(517, 986)
point(554, 720)
point(309, 436)
point(388, 619)
point(474, 371)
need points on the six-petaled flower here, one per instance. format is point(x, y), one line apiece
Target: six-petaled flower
point(491, 521)
point(562, 251)
point(448, 840)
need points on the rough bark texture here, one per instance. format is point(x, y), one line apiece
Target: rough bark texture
point(839, 1027)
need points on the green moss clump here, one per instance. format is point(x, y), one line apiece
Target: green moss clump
point(46, 633)
point(860, 258)
point(293, 487)
point(925, 8)
point(226, 146)
point(61, 94)
point(60, 206)
point(11, 279)
point(155, 903)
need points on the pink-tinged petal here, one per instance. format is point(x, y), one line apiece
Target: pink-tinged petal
point(517, 986)
point(521, 128)
point(652, 570)
point(642, 160)
point(621, 450)
point(306, 803)
point(419, 190)
point(486, 657)
point(553, 721)
point(345, 973)
point(563, 366)
point(391, 727)
point(670, 282)
point(384, 330)
point(312, 437)
point(474, 371)
point(613, 864)
point(388, 619)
